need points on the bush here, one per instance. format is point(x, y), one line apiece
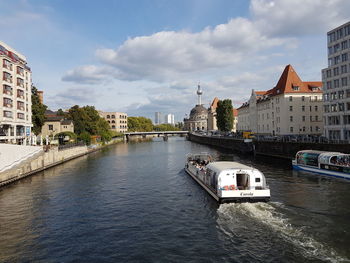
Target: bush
point(85, 137)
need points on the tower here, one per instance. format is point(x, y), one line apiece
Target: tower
point(199, 93)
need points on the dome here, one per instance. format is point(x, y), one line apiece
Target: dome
point(197, 111)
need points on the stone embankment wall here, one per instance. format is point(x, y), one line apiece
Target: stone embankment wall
point(237, 145)
point(284, 150)
point(44, 161)
point(287, 150)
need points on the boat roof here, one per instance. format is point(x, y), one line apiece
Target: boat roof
point(228, 165)
point(322, 152)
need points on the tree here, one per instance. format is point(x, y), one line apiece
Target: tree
point(140, 124)
point(38, 112)
point(165, 127)
point(87, 121)
point(224, 115)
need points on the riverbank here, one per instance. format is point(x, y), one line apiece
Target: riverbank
point(273, 149)
point(48, 159)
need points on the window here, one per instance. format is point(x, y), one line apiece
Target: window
point(344, 69)
point(113, 116)
point(113, 126)
point(295, 88)
point(290, 98)
point(341, 106)
point(8, 114)
point(344, 45)
point(316, 108)
point(257, 180)
point(7, 89)
point(290, 108)
point(304, 129)
point(291, 129)
point(336, 71)
point(336, 83)
point(344, 82)
point(336, 60)
point(7, 102)
point(291, 118)
point(7, 64)
point(303, 108)
point(303, 98)
point(50, 127)
point(329, 84)
point(108, 116)
point(341, 94)
point(310, 118)
point(336, 47)
point(344, 57)
point(20, 116)
point(7, 77)
point(303, 118)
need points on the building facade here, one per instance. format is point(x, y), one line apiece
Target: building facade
point(292, 107)
point(336, 84)
point(118, 121)
point(15, 98)
point(169, 119)
point(158, 118)
point(198, 119)
point(53, 126)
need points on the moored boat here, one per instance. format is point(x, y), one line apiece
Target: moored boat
point(327, 163)
point(228, 181)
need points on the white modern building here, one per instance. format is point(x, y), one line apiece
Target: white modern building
point(158, 118)
point(292, 107)
point(169, 119)
point(336, 84)
point(15, 98)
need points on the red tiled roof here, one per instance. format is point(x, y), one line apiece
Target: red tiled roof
point(214, 104)
point(235, 112)
point(290, 79)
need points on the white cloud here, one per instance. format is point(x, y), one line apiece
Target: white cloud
point(169, 55)
point(88, 74)
point(299, 17)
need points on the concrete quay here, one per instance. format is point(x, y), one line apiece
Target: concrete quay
point(46, 160)
point(274, 149)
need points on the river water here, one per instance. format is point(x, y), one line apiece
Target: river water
point(134, 203)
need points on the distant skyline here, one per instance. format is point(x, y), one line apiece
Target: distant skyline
point(147, 56)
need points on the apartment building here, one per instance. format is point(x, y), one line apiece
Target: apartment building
point(157, 118)
point(292, 107)
point(15, 98)
point(336, 84)
point(118, 121)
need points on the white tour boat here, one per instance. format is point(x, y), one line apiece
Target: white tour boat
point(327, 163)
point(227, 181)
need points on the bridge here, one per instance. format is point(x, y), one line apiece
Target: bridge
point(163, 134)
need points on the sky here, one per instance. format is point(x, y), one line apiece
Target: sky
point(147, 56)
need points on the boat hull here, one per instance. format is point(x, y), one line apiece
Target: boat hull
point(320, 171)
point(234, 196)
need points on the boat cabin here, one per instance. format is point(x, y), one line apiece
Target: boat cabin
point(234, 176)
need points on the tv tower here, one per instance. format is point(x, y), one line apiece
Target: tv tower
point(199, 93)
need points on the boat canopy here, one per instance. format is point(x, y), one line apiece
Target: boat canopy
point(313, 158)
point(199, 157)
point(335, 158)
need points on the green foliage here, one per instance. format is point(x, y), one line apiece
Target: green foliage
point(60, 112)
point(166, 127)
point(179, 125)
point(224, 115)
point(117, 134)
point(87, 120)
point(85, 137)
point(71, 135)
point(140, 124)
point(38, 112)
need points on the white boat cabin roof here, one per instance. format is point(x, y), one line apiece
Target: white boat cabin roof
point(227, 165)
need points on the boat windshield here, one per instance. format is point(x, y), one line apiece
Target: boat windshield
point(307, 158)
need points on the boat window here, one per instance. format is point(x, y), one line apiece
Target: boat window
point(257, 180)
point(242, 181)
point(308, 158)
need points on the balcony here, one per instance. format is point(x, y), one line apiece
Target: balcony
point(7, 66)
point(8, 105)
point(9, 80)
point(7, 92)
point(20, 108)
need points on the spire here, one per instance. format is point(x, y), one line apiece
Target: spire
point(199, 93)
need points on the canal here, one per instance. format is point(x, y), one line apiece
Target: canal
point(134, 203)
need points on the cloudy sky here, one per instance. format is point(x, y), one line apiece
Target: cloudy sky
point(143, 56)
